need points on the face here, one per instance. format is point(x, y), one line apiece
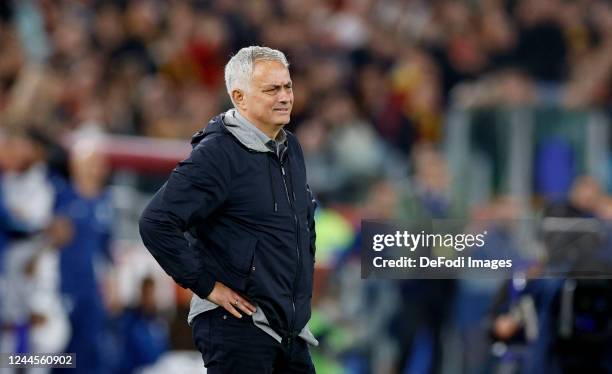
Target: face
point(268, 101)
point(20, 153)
point(91, 168)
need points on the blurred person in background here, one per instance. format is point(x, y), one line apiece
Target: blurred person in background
point(10, 226)
point(343, 153)
point(27, 178)
point(84, 205)
point(49, 328)
point(143, 332)
point(28, 195)
point(428, 194)
point(243, 200)
point(425, 305)
point(567, 322)
point(412, 111)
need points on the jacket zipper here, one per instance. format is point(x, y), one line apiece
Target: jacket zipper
point(299, 259)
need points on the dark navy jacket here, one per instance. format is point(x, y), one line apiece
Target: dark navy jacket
point(241, 217)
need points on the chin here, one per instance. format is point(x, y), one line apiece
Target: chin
point(284, 119)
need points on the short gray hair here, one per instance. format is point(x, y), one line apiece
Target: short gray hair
point(239, 68)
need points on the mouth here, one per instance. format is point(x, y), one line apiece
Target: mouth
point(282, 110)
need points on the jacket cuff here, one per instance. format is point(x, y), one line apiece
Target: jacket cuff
point(204, 285)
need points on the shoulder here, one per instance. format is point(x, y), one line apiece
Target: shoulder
point(291, 136)
point(217, 153)
point(218, 145)
point(294, 144)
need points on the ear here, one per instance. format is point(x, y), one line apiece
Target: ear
point(238, 98)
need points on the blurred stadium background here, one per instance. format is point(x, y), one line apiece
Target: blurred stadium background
point(486, 109)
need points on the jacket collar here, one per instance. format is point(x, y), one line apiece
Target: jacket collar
point(252, 137)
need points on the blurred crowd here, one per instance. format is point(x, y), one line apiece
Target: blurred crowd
point(374, 83)
point(57, 261)
point(154, 68)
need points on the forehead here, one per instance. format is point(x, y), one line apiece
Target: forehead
point(270, 72)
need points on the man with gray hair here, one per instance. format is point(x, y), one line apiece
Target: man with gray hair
point(235, 224)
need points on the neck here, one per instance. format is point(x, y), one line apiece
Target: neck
point(270, 130)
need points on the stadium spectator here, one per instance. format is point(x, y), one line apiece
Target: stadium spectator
point(84, 204)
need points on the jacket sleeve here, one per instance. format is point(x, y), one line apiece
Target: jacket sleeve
point(196, 187)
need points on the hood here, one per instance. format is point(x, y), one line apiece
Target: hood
point(241, 130)
point(215, 125)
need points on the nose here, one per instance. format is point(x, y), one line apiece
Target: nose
point(285, 96)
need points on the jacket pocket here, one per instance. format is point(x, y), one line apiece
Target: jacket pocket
point(240, 255)
point(236, 260)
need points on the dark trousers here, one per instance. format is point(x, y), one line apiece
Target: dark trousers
point(232, 345)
